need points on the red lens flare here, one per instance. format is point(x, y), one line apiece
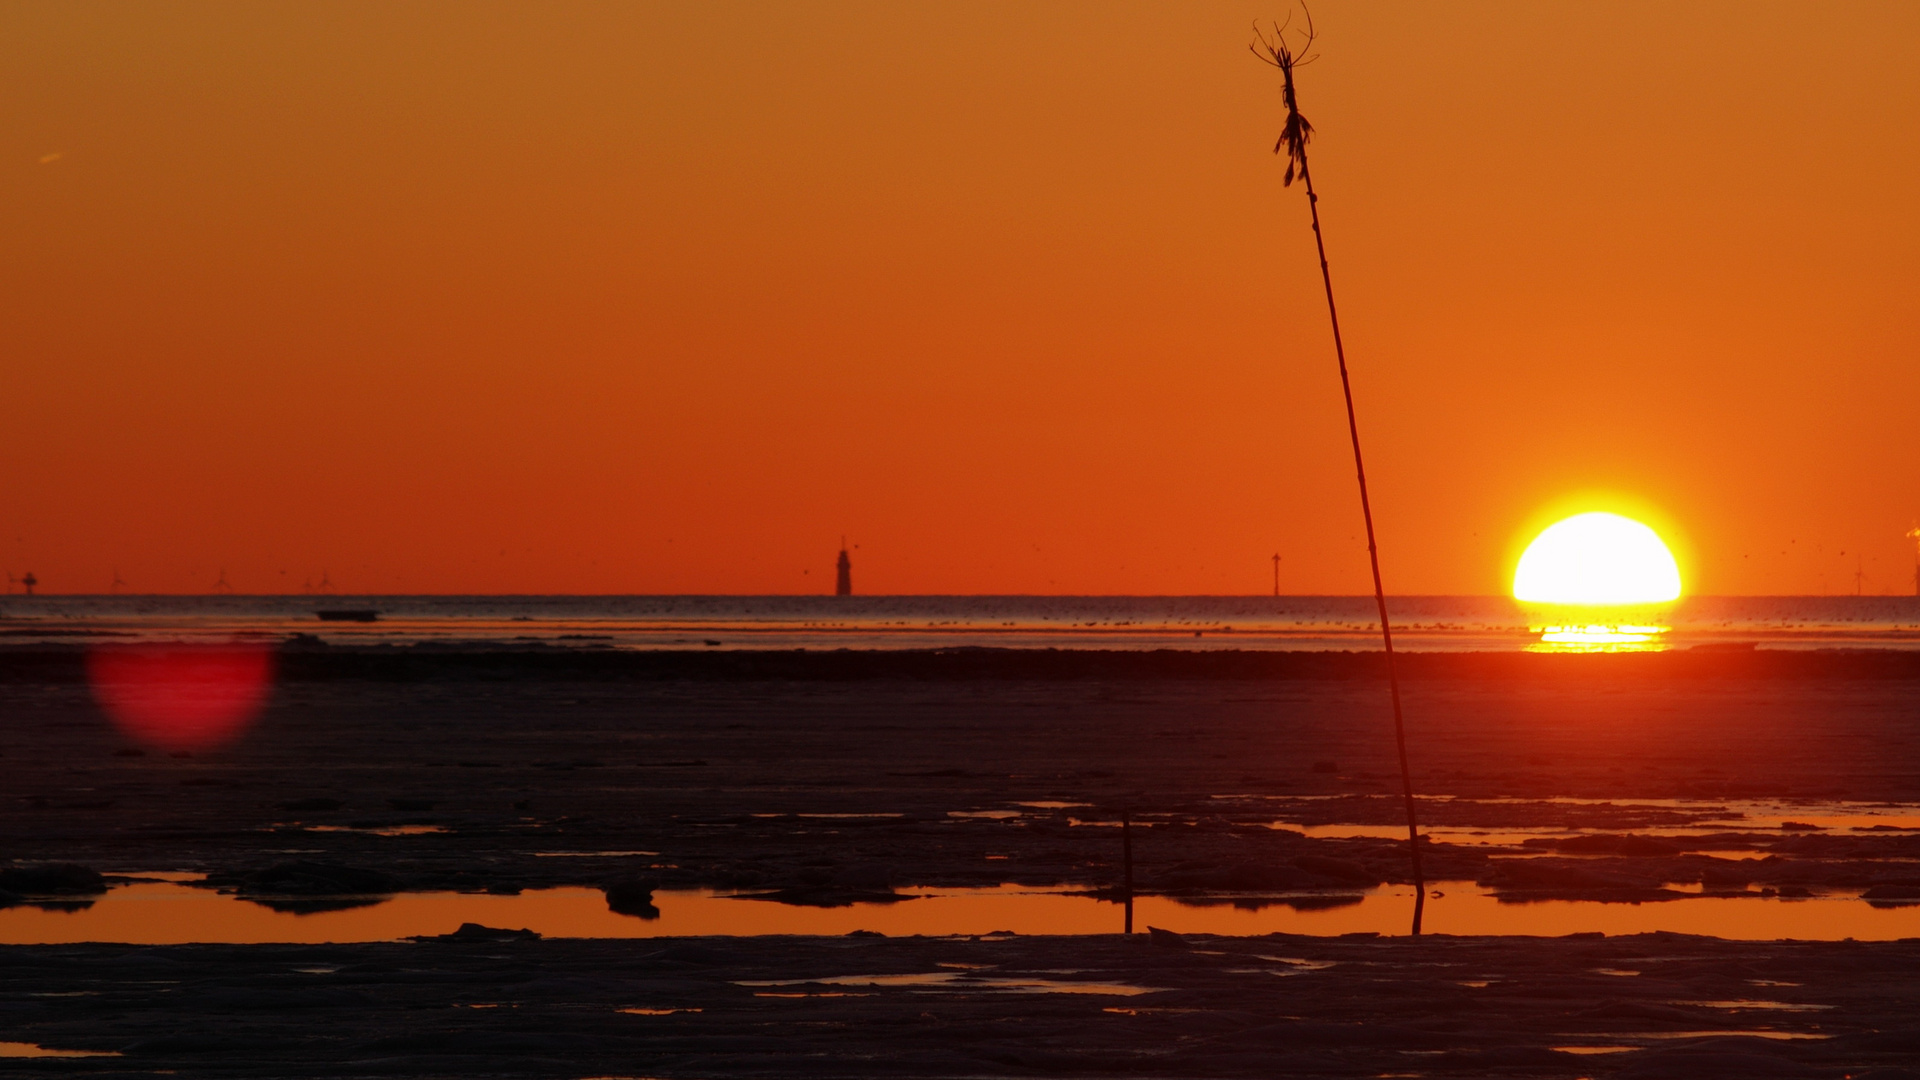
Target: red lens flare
point(181, 697)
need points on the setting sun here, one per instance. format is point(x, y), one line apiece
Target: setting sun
point(1594, 559)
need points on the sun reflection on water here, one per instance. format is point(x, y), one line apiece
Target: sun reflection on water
point(1599, 637)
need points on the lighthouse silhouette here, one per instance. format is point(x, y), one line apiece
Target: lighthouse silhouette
point(843, 572)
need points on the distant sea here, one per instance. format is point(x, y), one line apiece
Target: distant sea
point(1422, 623)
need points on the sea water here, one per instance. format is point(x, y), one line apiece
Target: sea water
point(1421, 623)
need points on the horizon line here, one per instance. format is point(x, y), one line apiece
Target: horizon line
point(895, 596)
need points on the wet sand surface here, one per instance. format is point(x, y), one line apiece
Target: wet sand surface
point(1649, 1006)
point(836, 779)
point(471, 772)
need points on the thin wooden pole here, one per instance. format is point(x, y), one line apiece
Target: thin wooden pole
point(1373, 554)
point(1294, 137)
point(1126, 866)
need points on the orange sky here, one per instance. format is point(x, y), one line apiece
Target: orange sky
point(467, 297)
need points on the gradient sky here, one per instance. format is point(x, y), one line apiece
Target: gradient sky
point(471, 297)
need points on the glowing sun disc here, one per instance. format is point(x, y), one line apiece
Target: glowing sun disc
point(1597, 558)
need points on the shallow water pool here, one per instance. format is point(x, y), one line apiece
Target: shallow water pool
point(170, 912)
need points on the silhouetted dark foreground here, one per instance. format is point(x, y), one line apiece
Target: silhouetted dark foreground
point(828, 777)
point(1651, 1006)
point(719, 763)
point(303, 660)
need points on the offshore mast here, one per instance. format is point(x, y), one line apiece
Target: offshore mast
point(1914, 535)
point(843, 572)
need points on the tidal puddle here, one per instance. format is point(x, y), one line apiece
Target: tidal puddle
point(369, 830)
point(32, 1050)
point(828, 817)
point(1716, 1033)
point(1439, 834)
point(1769, 1006)
point(966, 981)
point(1761, 818)
point(169, 912)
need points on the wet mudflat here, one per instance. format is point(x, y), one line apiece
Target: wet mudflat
point(837, 778)
point(1643, 1006)
point(833, 783)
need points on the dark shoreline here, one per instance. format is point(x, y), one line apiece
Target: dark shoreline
point(302, 661)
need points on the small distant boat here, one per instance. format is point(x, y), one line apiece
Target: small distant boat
point(347, 614)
